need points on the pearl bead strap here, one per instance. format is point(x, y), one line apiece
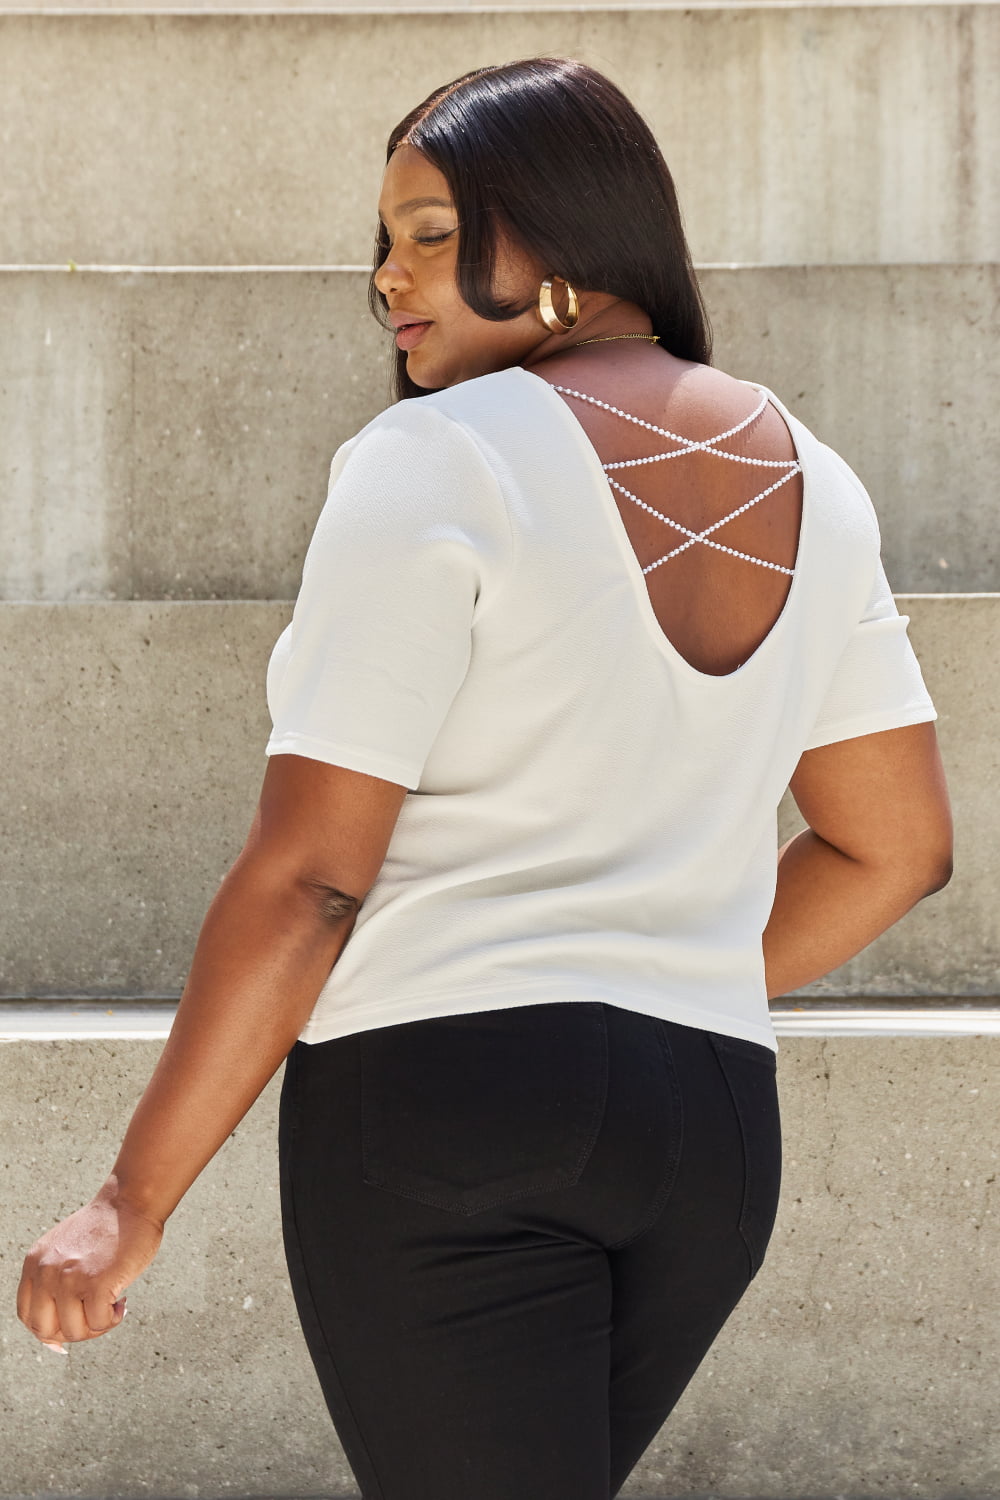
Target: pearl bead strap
point(688, 445)
point(702, 536)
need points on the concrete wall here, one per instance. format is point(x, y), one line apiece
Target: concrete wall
point(796, 134)
point(133, 757)
point(169, 435)
point(861, 1363)
point(321, 7)
point(166, 437)
point(134, 761)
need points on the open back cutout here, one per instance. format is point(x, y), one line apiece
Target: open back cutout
point(713, 519)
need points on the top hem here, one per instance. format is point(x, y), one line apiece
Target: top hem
point(871, 723)
point(340, 1023)
point(348, 757)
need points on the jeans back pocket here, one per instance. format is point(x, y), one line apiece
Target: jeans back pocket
point(470, 1111)
point(749, 1071)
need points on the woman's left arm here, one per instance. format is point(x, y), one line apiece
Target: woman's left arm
point(269, 940)
point(879, 839)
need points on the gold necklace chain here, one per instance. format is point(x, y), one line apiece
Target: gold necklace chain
point(653, 338)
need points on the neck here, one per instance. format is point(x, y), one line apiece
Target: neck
point(556, 344)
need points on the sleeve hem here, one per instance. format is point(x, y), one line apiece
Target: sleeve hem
point(350, 757)
point(871, 723)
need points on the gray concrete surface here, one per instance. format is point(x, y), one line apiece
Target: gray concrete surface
point(168, 435)
point(171, 436)
point(133, 757)
point(861, 1363)
point(321, 7)
point(796, 134)
point(140, 736)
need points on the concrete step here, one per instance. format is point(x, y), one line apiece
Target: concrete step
point(858, 1363)
point(169, 434)
point(151, 1020)
point(141, 732)
point(133, 758)
point(797, 134)
point(425, 7)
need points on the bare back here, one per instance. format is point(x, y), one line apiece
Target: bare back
point(717, 585)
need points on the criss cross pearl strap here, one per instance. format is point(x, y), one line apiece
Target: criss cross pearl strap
point(688, 445)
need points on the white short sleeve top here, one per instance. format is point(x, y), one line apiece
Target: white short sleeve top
point(589, 816)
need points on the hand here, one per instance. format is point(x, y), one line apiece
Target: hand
point(74, 1276)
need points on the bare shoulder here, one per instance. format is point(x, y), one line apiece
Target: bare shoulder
point(694, 400)
point(702, 402)
point(704, 389)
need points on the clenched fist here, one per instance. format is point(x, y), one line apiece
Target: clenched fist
point(74, 1276)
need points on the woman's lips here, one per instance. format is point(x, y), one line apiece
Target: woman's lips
point(410, 335)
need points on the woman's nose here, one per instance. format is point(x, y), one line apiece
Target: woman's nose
point(392, 275)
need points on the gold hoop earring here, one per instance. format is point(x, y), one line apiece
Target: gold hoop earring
point(547, 312)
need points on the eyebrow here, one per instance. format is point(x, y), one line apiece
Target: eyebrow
point(414, 203)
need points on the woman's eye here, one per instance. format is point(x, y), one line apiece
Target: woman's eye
point(433, 239)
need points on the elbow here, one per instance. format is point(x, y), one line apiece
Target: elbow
point(293, 889)
point(926, 856)
point(331, 904)
point(914, 872)
point(938, 854)
point(925, 868)
point(939, 870)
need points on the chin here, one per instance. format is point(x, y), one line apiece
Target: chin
point(423, 373)
point(437, 375)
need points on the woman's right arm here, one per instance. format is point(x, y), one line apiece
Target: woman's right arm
point(879, 839)
point(267, 946)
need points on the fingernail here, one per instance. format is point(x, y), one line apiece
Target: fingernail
point(57, 1348)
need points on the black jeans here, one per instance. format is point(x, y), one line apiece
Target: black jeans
point(512, 1237)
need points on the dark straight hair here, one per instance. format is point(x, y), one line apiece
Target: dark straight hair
point(551, 153)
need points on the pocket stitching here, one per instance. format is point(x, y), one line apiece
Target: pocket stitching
point(676, 1131)
point(720, 1047)
point(559, 1178)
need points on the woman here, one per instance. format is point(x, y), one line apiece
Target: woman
point(569, 624)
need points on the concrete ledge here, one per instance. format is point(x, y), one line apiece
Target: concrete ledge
point(421, 7)
point(134, 754)
point(76, 1021)
point(808, 134)
point(169, 434)
point(861, 1362)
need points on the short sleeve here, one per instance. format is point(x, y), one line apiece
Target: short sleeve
point(381, 634)
point(877, 683)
